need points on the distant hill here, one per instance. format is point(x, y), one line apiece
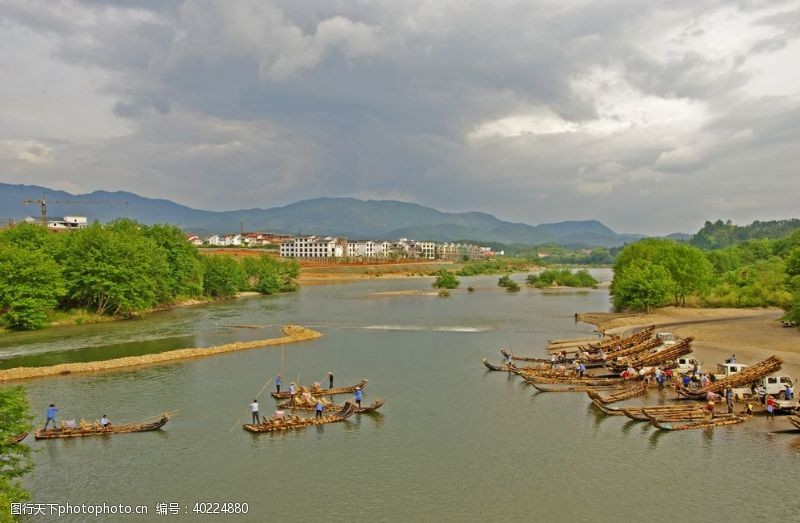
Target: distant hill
point(350, 217)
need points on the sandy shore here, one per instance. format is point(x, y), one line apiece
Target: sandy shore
point(751, 334)
point(291, 334)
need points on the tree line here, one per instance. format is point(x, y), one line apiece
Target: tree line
point(15, 459)
point(752, 273)
point(119, 269)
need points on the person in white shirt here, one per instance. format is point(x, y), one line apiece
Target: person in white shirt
point(104, 421)
point(254, 411)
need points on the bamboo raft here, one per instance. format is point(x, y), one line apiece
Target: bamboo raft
point(294, 422)
point(571, 344)
point(570, 388)
point(605, 409)
point(633, 350)
point(672, 353)
point(505, 367)
point(573, 380)
point(740, 379)
point(542, 361)
point(644, 413)
point(322, 392)
point(704, 424)
point(18, 438)
point(631, 392)
point(95, 430)
point(331, 408)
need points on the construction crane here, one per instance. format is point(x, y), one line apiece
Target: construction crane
point(43, 204)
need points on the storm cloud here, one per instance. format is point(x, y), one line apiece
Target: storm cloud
point(649, 116)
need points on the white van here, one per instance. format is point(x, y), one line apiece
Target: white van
point(686, 365)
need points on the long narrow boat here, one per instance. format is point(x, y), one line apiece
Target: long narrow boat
point(516, 357)
point(333, 408)
point(99, 431)
point(571, 380)
point(642, 413)
point(704, 424)
point(18, 438)
point(505, 367)
point(605, 409)
point(294, 422)
point(631, 392)
point(571, 388)
point(545, 362)
point(323, 392)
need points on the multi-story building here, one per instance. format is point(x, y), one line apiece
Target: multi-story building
point(313, 247)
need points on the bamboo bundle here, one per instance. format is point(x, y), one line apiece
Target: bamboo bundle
point(633, 339)
point(740, 379)
point(291, 334)
point(672, 353)
point(633, 350)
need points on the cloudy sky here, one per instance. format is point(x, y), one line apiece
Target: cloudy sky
point(649, 116)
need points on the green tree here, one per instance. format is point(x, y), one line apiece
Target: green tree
point(267, 275)
point(15, 459)
point(30, 284)
point(184, 276)
point(114, 269)
point(223, 276)
point(690, 270)
point(509, 284)
point(445, 280)
point(642, 286)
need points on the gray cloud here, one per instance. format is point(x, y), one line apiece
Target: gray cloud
point(650, 117)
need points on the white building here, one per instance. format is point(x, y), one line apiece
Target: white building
point(68, 222)
point(313, 247)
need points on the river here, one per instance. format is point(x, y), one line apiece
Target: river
point(453, 442)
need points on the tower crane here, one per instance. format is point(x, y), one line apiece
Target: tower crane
point(43, 204)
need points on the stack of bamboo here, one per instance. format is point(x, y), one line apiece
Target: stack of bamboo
point(740, 379)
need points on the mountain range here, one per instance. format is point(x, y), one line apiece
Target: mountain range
point(349, 217)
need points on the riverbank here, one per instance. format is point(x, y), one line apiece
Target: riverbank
point(751, 334)
point(291, 334)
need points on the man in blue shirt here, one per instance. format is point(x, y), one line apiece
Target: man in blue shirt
point(358, 396)
point(51, 416)
point(319, 408)
point(278, 383)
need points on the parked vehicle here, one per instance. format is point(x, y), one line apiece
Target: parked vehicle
point(667, 338)
point(726, 369)
point(687, 365)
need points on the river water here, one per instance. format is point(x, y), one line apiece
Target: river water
point(453, 442)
